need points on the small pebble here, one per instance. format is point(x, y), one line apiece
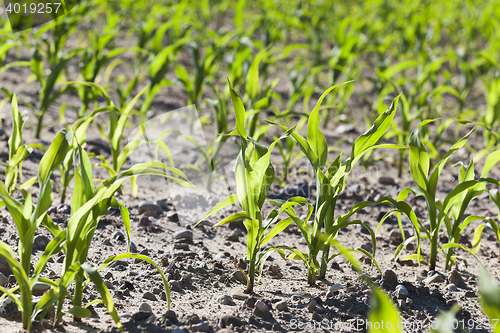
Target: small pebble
point(336, 287)
point(204, 326)
point(144, 221)
point(172, 216)
point(312, 305)
point(239, 276)
point(40, 242)
point(118, 236)
point(386, 180)
point(227, 320)
point(261, 306)
point(175, 285)
point(170, 314)
point(390, 277)
point(3, 280)
point(186, 235)
point(451, 287)
point(401, 291)
point(225, 299)
point(145, 307)
point(178, 330)
point(436, 278)
point(220, 256)
point(40, 288)
point(240, 296)
point(149, 295)
point(282, 305)
point(64, 209)
point(149, 208)
point(455, 278)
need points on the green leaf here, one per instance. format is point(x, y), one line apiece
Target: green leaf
point(234, 218)
point(489, 297)
point(79, 312)
point(103, 291)
point(382, 311)
point(239, 110)
point(374, 133)
point(252, 83)
point(232, 199)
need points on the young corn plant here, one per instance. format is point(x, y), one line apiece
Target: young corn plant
point(488, 222)
point(330, 180)
point(451, 210)
point(118, 118)
point(88, 204)
point(157, 70)
point(254, 176)
point(17, 151)
point(50, 51)
point(27, 219)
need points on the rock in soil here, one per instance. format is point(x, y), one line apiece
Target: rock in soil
point(239, 277)
point(170, 315)
point(40, 288)
point(225, 299)
point(456, 279)
point(401, 291)
point(227, 320)
point(64, 209)
point(451, 287)
point(144, 221)
point(149, 295)
point(172, 216)
point(261, 306)
point(240, 296)
point(235, 236)
point(118, 236)
point(312, 305)
point(396, 237)
point(204, 326)
point(163, 204)
point(145, 307)
point(336, 287)
point(186, 235)
point(150, 209)
point(40, 242)
point(390, 277)
point(175, 285)
point(282, 305)
point(436, 278)
point(3, 280)
point(386, 180)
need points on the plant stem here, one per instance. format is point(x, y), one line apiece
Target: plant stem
point(39, 121)
point(77, 300)
point(311, 276)
point(251, 277)
point(433, 254)
point(324, 262)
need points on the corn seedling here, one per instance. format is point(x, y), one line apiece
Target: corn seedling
point(452, 209)
point(330, 182)
point(88, 204)
point(17, 151)
point(254, 176)
point(27, 219)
